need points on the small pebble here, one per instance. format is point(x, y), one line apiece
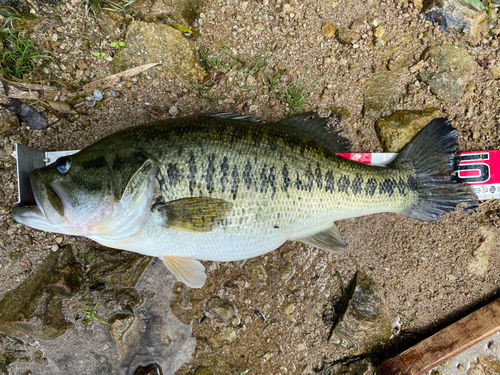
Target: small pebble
point(173, 111)
point(54, 248)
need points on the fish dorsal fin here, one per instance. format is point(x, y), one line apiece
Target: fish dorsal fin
point(188, 270)
point(232, 116)
point(327, 240)
point(315, 127)
point(200, 214)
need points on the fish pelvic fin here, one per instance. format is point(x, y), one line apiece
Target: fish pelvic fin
point(200, 214)
point(428, 154)
point(188, 270)
point(328, 239)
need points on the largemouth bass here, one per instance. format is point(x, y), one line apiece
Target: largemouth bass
point(225, 188)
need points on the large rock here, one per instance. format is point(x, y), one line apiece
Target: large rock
point(448, 69)
point(396, 130)
point(158, 43)
point(382, 91)
point(363, 322)
point(35, 307)
point(460, 15)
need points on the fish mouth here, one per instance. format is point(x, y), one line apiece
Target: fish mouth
point(52, 199)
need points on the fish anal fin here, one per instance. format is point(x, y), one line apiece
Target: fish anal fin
point(200, 214)
point(188, 270)
point(328, 239)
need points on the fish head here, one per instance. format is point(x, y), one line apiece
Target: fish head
point(95, 192)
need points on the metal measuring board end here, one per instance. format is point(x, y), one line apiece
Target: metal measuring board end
point(28, 159)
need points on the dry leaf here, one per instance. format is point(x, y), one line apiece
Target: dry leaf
point(116, 78)
point(62, 107)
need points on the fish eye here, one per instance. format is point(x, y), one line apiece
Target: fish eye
point(63, 165)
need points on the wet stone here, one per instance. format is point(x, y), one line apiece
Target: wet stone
point(222, 309)
point(35, 307)
point(286, 271)
point(10, 350)
point(396, 130)
point(449, 68)
point(116, 267)
point(119, 325)
point(256, 271)
point(363, 322)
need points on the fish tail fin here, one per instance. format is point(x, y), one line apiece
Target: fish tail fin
point(429, 155)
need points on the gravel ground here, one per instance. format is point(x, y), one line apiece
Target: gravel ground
point(426, 272)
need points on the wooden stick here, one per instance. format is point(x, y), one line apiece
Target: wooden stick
point(445, 344)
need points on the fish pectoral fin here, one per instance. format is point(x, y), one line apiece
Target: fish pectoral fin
point(188, 270)
point(200, 214)
point(327, 240)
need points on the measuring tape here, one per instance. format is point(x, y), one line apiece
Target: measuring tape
point(481, 169)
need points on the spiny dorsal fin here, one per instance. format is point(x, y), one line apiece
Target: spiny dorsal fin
point(315, 127)
point(232, 116)
point(327, 240)
point(200, 214)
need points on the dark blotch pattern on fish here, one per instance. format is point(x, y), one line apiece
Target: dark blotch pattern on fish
point(319, 176)
point(387, 186)
point(236, 181)
point(370, 187)
point(173, 175)
point(298, 182)
point(286, 178)
point(412, 183)
point(192, 169)
point(210, 174)
point(343, 183)
point(401, 185)
point(357, 184)
point(224, 169)
point(310, 178)
point(329, 182)
point(247, 175)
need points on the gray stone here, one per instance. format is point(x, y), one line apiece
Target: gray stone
point(449, 67)
point(382, 91)
point(8, 122)
point(11, 349)
point(119, 325)
point(222, 309)
point(460, 15)
point(347, 36)
point(35, 307)
point(157, 43)
point(396, 130)
point(256, 270)
point(363, 322)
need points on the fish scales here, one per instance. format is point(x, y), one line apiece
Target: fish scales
point(219, 188)
point(300, 181)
